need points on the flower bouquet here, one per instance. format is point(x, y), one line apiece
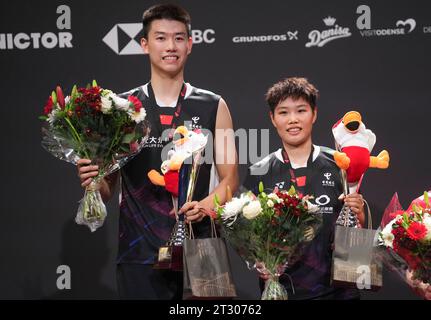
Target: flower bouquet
point(268, 231)
point(406, 239)
point(95, 124)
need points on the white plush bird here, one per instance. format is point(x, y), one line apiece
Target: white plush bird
point(356, 143)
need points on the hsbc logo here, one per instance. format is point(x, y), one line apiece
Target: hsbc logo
point(122, 38)
point(124, 30)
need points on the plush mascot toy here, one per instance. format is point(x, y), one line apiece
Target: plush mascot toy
point(355, 143)
point(185, 143)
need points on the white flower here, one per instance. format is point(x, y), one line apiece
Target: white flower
point(120, 103)
point(138, 116)
point(274, 197)
point(386, 235)
point(427, 223)
point(106, 104)
point(106, 93)
point(66, 100)
point(312, 207)
point(269, 203)
point(233, 207)
point(388, 239)
point(52, 116)
point(252, 210)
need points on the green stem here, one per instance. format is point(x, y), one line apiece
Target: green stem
point(77, 137)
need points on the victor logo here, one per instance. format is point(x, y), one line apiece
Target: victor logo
point(320, 38)
point(37, 40)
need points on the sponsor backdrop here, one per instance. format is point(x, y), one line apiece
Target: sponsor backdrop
point(372, 56)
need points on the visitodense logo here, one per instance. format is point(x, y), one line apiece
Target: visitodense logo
point(320, 38)
point(38, 40)
point(122, 38)
point(363, 23)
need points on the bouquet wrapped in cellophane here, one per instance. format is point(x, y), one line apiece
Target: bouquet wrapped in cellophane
point(96, 124)
point(268, 231)
point(405, 240)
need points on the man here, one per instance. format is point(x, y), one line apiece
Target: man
point(146, 219)
point(293, 112)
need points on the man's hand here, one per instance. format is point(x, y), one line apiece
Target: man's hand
point(86, 171)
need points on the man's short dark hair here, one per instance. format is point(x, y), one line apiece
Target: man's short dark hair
point(168, 12)
point(294, 88)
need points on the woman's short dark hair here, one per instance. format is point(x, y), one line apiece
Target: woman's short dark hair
point(294, 88)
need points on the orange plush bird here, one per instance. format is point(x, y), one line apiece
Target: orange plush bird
point(355, 143)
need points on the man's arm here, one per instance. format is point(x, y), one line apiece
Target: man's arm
point(226, 161)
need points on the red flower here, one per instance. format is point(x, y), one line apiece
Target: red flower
point(136, 103)
point(48, 106)
point(60, 97)
point(416, 231)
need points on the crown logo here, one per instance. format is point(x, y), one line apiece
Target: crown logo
point(329, 21)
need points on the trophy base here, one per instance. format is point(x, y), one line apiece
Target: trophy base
point(170, 258)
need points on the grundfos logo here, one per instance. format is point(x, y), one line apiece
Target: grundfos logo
point(288, 36)
point(37, 40)
point(130, 31)
point(363, 23)
point(320, 38)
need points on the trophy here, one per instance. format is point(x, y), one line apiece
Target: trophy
point(346, 218)
point(180, 175)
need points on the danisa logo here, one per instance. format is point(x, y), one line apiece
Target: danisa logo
point(288, 36)
point(122, 38)
point(320, 38)
point(38, 40)
point(363, 23)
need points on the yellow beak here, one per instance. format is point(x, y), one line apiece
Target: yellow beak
point(181, 135)
point(352, 120)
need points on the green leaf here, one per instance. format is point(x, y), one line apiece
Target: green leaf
point(261, 188)
point(426, 199)
point(74, 91)
point(94, 83)
point(416, 208)
point(124, 148)
point(54, 97)
point(128, 138)
point(44, 118)
point(216, 200)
